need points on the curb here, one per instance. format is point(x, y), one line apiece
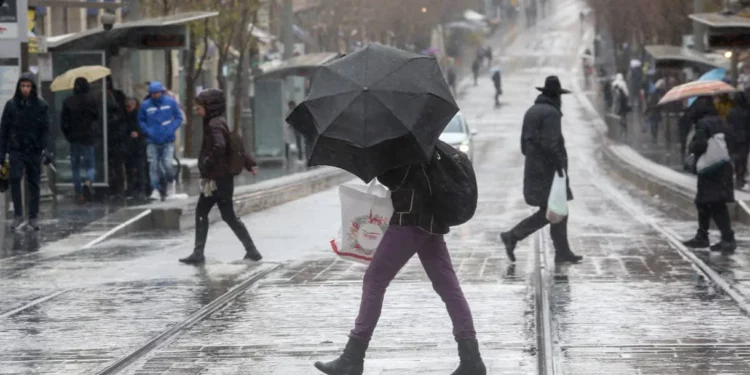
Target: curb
point(180, 215)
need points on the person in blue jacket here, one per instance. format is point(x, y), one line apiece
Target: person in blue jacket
point(160, 117)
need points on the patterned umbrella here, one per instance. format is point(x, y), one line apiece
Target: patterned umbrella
point(697, 88)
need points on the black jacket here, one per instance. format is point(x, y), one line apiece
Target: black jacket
point(79, 118)
point(717, 186)
point(24, 128)
point(411, 194)
point(543, 145)
point(739, 122)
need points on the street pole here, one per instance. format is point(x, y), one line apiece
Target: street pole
point(288, 30)
point(699, 30)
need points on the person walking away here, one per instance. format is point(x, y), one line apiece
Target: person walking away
point(24, 136)
point(79, 122)
point(488, 55)
point(497, 81)
point(292, 136)
point(452, 79)
point(475, 70)
point(414, 230)
point(621, 96)
point(215, 163)
point(543, 145)
point(715, 188)
point(654, 113)
point(160, 117)
point(117, 138)
point(738, 120)
point(135, 156)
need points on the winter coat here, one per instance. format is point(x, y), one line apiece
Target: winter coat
point(717, 186)
point(24, 128)
point(79, 118)
point(213, 160)
point(411, 195)
point(543, 145)
point(160, 118)
point(116, 126)
point(738, 120)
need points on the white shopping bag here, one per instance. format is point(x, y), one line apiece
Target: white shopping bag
point(557, 204)
point(365, 213)
point(716, 155)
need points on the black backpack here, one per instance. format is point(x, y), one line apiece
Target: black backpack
point(235, 153)
point(453, 184)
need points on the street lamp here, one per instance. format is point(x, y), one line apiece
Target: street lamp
point(424, 10)
point(728, 54)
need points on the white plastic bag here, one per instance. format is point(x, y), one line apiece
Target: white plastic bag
point(716, 155)
point(366, 211)
point(557, 203)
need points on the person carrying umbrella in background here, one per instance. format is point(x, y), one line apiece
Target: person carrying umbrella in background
point(621, 96)
point(135, 157)
point(408, 106)
point(24, 136)
point(497, 80)
point(117, 136)
point(79, 122)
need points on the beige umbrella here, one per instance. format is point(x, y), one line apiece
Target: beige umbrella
point(92, 73)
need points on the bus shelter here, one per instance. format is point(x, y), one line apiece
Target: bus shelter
point(97, 47)
point(727, 30)
point(669, 57)
point(278, 84)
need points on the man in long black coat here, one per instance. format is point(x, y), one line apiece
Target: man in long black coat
point(543, 145)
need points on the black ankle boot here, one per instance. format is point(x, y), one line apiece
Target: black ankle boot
point(510, 244)
point(700, 241)
point(253, 254)
point(727, 245)
point(351, 361)
point(201, 233)
point(567, 257)
point(471, 360)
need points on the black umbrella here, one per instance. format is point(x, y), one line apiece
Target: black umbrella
point(373, 110)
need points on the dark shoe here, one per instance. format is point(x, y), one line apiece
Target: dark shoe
point(700, 241)
point(18, 224)
point(253, 254)
point(33, 225)
point(195, 258)
point(88, 193)
point(351, 362)
point(568, 257)
point(724, 246)
point(510, 244)
point(471, 360)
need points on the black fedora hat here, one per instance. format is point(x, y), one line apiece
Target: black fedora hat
point(552, 84)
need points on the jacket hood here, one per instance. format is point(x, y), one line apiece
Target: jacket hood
point(81, 86)
point(26, 77)
point(703, 107)
point(155, 86)
point(214, 101)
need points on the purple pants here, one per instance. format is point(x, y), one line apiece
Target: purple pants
point(399, 244)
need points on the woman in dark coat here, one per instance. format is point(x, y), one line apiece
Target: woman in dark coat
point(543, 145)
point(716, 188)
point(217, 183)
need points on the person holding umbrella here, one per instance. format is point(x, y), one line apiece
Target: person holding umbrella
point(394, 143)
point(79, 122)
point(543, 145)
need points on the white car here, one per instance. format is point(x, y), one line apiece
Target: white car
point(458, 135)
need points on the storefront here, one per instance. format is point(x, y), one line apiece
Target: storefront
point(102, 47)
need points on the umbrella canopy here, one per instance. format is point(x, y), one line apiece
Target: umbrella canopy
point(374, 110)
point(696, 88)
point(66, 80)
point(717, 74)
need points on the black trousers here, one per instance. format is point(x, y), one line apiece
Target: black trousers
point(117, 171)
point(740, 163)
point(221, 197)
point(137, 172)
point(720, 214)
point(32, 165)
point(537, 221)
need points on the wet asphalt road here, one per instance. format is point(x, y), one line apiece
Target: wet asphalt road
point(634, 306)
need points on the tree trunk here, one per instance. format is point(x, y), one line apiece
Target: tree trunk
point(239, 90)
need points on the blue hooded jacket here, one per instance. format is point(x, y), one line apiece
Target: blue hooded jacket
point(159, 118)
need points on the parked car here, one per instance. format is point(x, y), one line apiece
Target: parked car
point(459, 135)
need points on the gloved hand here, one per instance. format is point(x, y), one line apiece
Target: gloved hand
point(47, 157)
